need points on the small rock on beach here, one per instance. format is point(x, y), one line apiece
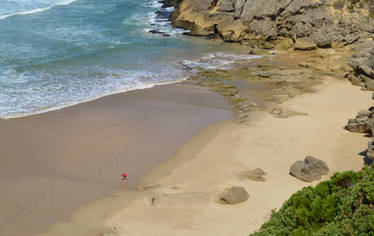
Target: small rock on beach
point(255, 175)
point(233, 195)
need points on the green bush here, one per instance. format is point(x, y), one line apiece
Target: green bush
point(351, 7)
point(344, 205)
point(338, 4)
point(371, 12)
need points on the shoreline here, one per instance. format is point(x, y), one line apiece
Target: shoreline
point(77, 153)
point(179, 196)
point(60, 107)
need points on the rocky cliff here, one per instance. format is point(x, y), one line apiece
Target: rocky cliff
point(302, 24)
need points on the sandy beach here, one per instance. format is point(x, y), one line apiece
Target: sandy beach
point(217, 110)
point(54, 162)
point(181, 194)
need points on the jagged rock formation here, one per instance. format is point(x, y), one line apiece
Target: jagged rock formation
point(360, 124)
point(362, 64)
point(309, 169)
point(263, 23)
point(364, 123)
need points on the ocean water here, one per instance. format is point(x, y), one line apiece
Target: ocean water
point(56, 53)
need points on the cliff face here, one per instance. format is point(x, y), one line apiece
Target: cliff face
point(305, 23)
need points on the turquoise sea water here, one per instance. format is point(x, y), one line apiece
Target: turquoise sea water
point(55, 53)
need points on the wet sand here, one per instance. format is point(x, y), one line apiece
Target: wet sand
point(52, 163)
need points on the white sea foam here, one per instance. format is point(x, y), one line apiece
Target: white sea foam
point(156, 19)
point(30, 98)
point(37, 10)
point(218, 60)
point(69, 104)
point(155, 4)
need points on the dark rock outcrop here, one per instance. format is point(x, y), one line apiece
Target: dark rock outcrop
point(364, 123)
point(370, 152)
point(159, 32)
point(170, 3)
point(234, 195)
point(309, 170)
point(362, 64)
point(314, 23)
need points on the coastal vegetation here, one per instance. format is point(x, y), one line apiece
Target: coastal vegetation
point(343, 205)
point(353, 5)
point(338, 4)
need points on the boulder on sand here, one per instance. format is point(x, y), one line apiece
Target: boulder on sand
point(309, 170)
point(360, 124)
point(233, 195)
point(255, 175)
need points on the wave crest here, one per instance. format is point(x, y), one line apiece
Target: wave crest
point(37, 10)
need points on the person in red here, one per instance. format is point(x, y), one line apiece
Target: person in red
point(124, 177)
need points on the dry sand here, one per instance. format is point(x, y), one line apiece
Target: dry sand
point(52, 163)
point(184, 203)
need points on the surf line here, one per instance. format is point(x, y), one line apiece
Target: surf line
point(37, 10)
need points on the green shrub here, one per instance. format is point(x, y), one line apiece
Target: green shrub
point(322, 189)
point(371, 12)
point(344, 205)
point(351, 7)
point(338, 4)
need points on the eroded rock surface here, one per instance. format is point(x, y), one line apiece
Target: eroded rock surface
point(261, 23)
point(309, 169)
point(360, 124)
point(364, 123)
point(362, 64)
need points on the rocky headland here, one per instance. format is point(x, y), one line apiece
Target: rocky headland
point(301, 24)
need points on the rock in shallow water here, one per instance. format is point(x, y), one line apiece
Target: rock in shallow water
point(234, 195)
point(159, 32)
point(309, 170)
